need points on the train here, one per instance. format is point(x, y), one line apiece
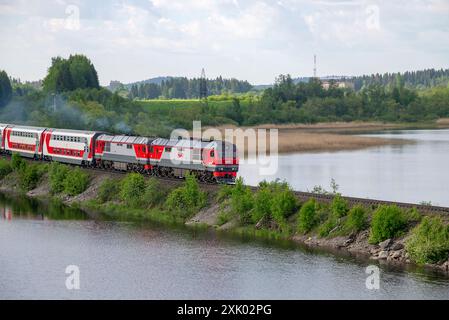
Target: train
point(211, 161)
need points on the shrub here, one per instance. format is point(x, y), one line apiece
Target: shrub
point(339, 206)
point(29, 176)
point(224, 192)
point(242, 201)
point(274, 201)
point(262, 204)
point(223, 217)
point(57, 174)
point(108, 190)
point(388, 222)
point(75, 182)
point(154, 193)
point(17, 163)
point(429, 241)
point(356, 220)
point(330, 224)
point(132, 188)
point(5, 168)
point(307, 218)
point(185, 200)
point(413, 215)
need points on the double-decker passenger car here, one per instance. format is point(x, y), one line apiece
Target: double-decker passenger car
point(24, 140)
point(69, 146)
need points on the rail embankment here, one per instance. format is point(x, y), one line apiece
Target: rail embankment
point(393, 233)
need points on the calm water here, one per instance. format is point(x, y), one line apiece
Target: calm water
point(124, 261)
point(409, 173)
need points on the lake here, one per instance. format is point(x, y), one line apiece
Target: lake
point(119, 260)
point(417, 172)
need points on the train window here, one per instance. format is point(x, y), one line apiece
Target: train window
point(129, 146)
point(151, 149)
point(168, 149)
point(212, 153)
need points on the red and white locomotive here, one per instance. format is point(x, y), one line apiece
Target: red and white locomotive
point(210, 161)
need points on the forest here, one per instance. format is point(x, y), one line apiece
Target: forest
point(70, 97)
point(421, 79)
point(183, 88)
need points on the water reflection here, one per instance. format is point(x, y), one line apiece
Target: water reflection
point(21, 207)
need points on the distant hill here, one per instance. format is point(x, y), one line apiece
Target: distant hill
point(115, 85)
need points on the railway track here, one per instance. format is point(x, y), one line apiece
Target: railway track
point(374, 202)
point(304, 196)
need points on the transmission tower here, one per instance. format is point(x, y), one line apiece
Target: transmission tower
point(314, 66)
point(203, 85)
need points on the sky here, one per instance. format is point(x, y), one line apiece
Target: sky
point(255, 40)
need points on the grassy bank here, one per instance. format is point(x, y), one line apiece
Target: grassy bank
point(272, 211)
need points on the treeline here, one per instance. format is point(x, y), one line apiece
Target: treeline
point(183, 88)
point(71, 98)
point(422, 79)
point(310, 102)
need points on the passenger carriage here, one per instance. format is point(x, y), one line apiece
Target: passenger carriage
point(24, 140)
point(69, 146)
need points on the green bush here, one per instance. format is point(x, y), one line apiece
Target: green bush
point(75, 182)
point(29, 176)
point(357, 220)
point(154, 193)
point(388, 222)
point(242, 201)
point(17, 163)
point(57, 174)
point(307, 218)
point(274, 201)
point(223, 217)
point(330, 224)
point(224, 192)
point(413, 215)
point(339, 206)
point(132, 188)
point(5, 168)
point(185, 200)
point(108, 190)
point(429, 241)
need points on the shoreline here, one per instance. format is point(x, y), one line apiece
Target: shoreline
point(329, 137)
point(391, 252)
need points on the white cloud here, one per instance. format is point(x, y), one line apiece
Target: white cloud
point(251, 39)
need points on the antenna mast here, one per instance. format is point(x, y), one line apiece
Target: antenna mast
point(203, 85)
point(314, 66)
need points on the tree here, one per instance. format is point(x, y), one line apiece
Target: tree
point(5, 89)
point(76, 72)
